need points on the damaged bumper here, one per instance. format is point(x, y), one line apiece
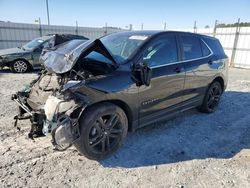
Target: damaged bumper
point(31, 100)
point(19, 98)
point(25, 112)
point(62, 120)
point(59, 118)
point(66, 133)
point(52, 111)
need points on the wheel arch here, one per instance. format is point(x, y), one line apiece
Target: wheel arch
point(220, 80)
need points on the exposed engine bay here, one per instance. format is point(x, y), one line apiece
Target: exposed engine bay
point(49, 101)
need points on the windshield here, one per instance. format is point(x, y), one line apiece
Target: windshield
point(122, 45)
point(112, 49)
point(33, 44)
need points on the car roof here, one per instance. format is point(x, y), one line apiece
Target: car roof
point(152, 33)
point(45, 37)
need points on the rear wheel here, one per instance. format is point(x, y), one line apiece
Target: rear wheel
point(103, 129)
point(212, 98)
point(20, 66)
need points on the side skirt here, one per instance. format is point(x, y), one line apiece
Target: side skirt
point(168, 113)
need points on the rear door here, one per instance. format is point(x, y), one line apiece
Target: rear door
point(165, 91)
point(197, 57)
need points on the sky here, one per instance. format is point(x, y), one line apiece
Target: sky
point(120, 13)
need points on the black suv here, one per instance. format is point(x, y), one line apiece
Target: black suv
point(106, 87)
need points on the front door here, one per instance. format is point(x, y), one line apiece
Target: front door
point(164, 94)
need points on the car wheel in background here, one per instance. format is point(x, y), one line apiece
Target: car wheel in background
point(20, 66)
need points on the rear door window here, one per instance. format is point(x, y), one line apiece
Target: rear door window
point(191, 47)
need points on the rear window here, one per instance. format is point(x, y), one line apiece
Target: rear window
point(215, 45)
point(191, 47)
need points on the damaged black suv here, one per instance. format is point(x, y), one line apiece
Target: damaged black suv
point(93, 92)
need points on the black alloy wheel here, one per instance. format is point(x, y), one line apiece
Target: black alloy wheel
point(212, 98)
point(105, 133)
point(103, 129)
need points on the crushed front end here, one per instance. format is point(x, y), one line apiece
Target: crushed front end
point(31, 101)
point(53, 107)
point(55, 101)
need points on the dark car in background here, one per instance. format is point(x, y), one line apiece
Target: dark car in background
point(123, 81)
point(26, 57)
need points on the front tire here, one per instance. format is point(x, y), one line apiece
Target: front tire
point(212, 98)
point(103, 128)
point(20, 66)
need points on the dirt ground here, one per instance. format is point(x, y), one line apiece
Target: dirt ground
point(194, 150)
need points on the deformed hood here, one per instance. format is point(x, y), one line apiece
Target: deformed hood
point(65, 56)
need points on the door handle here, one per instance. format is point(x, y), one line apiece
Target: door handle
point(210, 62)
point(177, 70)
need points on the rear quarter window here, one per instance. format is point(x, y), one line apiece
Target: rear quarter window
point(205, 49)
point(215, 46)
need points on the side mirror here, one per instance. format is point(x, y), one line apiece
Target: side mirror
point(38, 49)
point(141, 74)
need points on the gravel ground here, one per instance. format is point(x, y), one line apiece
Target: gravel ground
point(194, 150)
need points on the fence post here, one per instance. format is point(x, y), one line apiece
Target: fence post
point(195, 28)
point(165, 26)
point(76, 27)
point(235, 43)
point(215, 27)
point(106, 29)
point(40, 27)
point(130, 27)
